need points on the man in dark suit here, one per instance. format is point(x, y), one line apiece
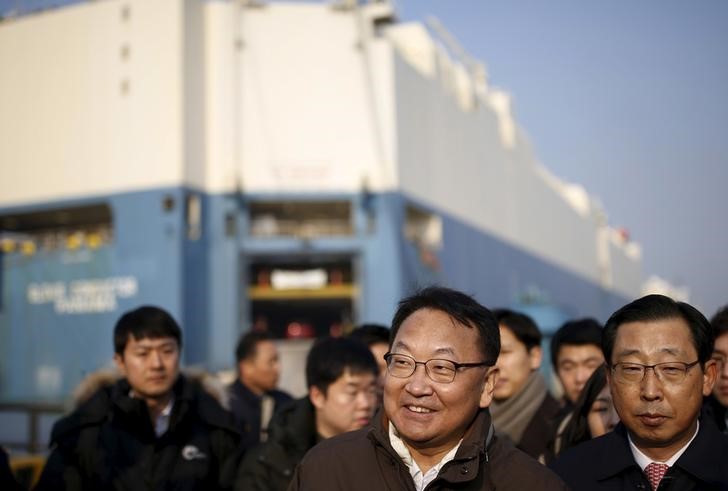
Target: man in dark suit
point(658, 354)
point(253, 396)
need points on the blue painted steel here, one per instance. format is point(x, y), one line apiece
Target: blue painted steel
point(203, 282)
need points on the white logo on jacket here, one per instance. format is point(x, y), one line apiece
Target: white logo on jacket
point(190, 452)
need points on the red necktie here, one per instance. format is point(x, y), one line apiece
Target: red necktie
point(655, 472)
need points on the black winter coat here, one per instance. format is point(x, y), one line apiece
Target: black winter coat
point(246, 409)
point(109, 443)
point(270, 466)
point(364, 460)
point(606, 464)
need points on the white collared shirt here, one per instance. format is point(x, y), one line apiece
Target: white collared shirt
point(643, 460)
point(421, 480)
point(161, 425)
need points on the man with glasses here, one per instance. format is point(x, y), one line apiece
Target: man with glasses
point(658, 354)
point(435, 430)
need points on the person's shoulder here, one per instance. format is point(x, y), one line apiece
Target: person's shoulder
point(514, 469)
point(280, 397)
point(550, 407)
point(340, 447)
point(210, 400)
point(584, 453)
point(93, 411)
point(594, 460)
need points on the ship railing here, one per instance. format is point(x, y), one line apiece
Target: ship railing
point(25, 426)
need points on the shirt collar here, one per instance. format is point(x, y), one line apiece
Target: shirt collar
point(643, 460)
point(421, 480)
point(161, 425)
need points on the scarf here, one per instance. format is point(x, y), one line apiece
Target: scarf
point(511, 417)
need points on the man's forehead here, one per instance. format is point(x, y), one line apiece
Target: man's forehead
point(579, 352)
point(150, 342)
point(442, 349)
point(668, 336)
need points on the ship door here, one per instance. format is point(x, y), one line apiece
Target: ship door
point(308, 297)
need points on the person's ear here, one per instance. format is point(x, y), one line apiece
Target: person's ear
point(535, 355)
point(119, 362)
point(317, 397)
point(710, 374)
point(486, 395)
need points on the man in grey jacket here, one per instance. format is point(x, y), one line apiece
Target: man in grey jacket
point(435, 430)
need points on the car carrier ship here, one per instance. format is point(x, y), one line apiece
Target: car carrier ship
point(296, 167)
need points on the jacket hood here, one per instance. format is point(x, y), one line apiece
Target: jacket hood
point(106, 377)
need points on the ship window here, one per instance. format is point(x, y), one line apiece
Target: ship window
point(423, 228)
point(303, 219)
point(60, 228)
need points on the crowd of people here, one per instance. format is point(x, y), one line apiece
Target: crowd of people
point(450, 396)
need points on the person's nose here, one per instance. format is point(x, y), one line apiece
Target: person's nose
point(613, 419)
point(650, 386)
point(582, 375)
point(365, 400)
point(419, 383)
point(156, 359)
point(723, 366)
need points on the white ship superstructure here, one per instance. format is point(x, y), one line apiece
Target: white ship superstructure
point(296, 166)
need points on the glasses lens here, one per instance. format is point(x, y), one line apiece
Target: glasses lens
point(441, 370)
point(630, 372)
point(400, 365)
point(671, 372)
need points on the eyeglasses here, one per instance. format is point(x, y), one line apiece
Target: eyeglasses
point(673, 372)
point(441, 371)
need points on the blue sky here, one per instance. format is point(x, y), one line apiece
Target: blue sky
point(628, 98)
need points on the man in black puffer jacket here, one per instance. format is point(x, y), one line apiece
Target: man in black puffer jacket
point(341, 376)
point(153, 429)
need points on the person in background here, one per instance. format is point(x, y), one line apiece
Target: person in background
point(341, 376)
point(659, 368)
point(716, 405)
point(576, 352)
point(434, 431)
point(593, 414)
point(151, 429)
point(376, 337)
point(253, 396)
point(523, 410)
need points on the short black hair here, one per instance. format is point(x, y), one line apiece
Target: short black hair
point(522, 326)
point(248, 344)
point(578, 332)
point(655, 308)
point(370, 334)
point(460, 307)
point(719, 322)
point(146, 321)
point(329, 358)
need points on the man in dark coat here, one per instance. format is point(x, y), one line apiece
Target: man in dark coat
point(253, 396)
point(522, 410)
point(153, 429)
point(658, 353)
point(341, 376)
point(434, 431)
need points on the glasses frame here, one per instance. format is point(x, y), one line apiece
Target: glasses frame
point(644, 367)
point(387, 356)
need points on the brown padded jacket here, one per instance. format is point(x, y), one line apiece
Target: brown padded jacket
point(365, 460)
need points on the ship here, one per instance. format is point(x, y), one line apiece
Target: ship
point(296, 167)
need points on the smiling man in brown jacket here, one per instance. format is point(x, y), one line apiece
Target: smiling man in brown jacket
point(435, 430)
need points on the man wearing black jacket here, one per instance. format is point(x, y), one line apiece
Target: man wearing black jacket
point(152, 429)
point(658, 354)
